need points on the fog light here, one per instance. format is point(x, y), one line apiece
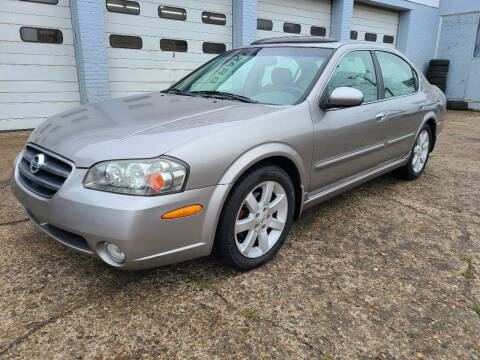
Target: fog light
point(114, 252)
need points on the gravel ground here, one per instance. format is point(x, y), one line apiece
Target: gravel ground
point(375, 273)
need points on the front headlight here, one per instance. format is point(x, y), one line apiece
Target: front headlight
point(138, 177)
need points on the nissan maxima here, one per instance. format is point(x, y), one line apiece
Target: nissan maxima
point(228, 157)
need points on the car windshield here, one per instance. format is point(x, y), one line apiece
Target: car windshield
point(269, 75)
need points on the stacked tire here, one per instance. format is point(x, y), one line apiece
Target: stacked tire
point(437, 73)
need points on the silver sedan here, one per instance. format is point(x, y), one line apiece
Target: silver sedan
point(225, 159)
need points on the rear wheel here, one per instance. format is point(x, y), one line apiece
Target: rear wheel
point(256, 218)
point(419, 157)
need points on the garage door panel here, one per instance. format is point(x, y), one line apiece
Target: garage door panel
point(40, 96)
point(185, 34)
point(307, 13)
point(37, 79)
point(147, 74)
point(133, 71)
point(21, 59)
point(173, 64)
point(369, 19)
point(20, 123)
point(38, 72)
point(278, 12)
point(35, 20)
point(38, 9)
point(12, 33)
point(151, 9)
point(45, 86)
point(154, 25)
point(133, 86)
point(38, 109)
point(8, 47)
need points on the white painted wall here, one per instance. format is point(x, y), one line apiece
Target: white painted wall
point(148, 69)
point(37, 80)
point(433, 3)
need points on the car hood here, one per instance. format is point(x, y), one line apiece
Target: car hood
point(142, 126)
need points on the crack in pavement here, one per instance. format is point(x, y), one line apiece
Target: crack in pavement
point(52, 320)
point(271, 322)
point(14, 222)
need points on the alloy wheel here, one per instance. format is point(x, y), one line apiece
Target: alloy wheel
point(420, 151)
point(261, 219)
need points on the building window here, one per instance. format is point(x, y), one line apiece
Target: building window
point(126, 41)
point(53, 2)
point(213, 48)
point(123, 6)
point(476, 52)
point(31, 34)
point(173, 45)
point(318, 31)
point(213, 18)
point(370, 37)
point(388, 39)
point(292, 28)
point(353, 35)
point(263, 24)
point(174, 13)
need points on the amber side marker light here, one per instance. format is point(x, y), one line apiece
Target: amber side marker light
point(182, 212)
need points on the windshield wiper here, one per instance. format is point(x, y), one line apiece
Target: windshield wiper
point(178, 92)
point(226, 95)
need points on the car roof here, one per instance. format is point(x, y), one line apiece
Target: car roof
point(316, 41)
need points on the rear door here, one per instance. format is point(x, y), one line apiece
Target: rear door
point(404, 103)
point(348, 141)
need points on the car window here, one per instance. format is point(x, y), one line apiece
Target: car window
point(271, 75)
point(356, 70)
point(398, 76)
point(280, 62)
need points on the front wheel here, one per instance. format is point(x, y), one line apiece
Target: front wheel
point(419, 157)
point(256, 218)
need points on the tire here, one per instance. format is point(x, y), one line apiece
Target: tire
point(437, 81)
point(231, 244)
point(410, 171)
point(442, 68)
point(437, 74)
point(439, 62)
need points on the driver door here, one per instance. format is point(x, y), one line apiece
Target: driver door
point(349, 140)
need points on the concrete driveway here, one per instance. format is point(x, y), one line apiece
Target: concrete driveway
point(389, 270)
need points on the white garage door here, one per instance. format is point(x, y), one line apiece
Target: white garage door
point(286, 17)
point(375, 24)
point(152, 44)
point(38, 73)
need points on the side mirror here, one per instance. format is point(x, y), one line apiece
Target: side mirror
point(343, 97)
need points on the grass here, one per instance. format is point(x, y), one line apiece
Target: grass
point(468, 274)
point(476, 309)
point(205, 284)
point(466, 258)
point(251, 315)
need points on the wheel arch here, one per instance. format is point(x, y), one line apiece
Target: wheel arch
point(279, 154)
point(430, 118)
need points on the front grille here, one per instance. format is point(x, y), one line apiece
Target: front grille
point(48, 178)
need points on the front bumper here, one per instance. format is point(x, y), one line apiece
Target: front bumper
point(83, 219)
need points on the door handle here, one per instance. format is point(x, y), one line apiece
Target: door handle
point(380, 117)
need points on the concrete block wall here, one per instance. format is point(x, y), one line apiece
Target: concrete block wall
point(244, 22)
point(90, 51)
point(342, 12)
